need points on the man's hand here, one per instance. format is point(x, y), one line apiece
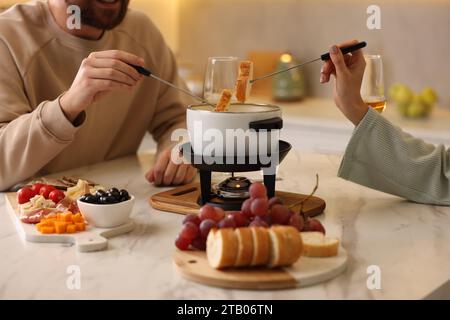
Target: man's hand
point(166, 173)
point(348, 71)
point(100, 73)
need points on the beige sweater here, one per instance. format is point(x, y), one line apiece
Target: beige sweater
point(39, 61)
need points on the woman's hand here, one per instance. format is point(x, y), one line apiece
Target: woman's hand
point(348, 71)
point(166, 172)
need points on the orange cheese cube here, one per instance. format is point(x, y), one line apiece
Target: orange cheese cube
point(66, 216)
point(47, 230)
point(45, 223)
point(71, 228)
point(80, 226)
point(78, 218)
point(60, 227)
point(39, 226)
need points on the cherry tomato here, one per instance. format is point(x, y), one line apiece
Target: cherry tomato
point(37, 187)
point(56, 196)
point(24, 195)
point(45, 190)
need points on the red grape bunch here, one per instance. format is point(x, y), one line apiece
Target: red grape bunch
point(257, 211)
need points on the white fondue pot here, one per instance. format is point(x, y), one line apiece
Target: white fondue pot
point(244, 129)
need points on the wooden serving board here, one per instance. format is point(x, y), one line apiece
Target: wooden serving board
point(194, 266)
point(183, 200)
point(93, 239)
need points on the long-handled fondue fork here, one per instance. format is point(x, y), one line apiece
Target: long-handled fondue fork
point(148, 73)
point(324, 57)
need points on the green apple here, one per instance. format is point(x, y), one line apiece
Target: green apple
point(417, 108)
point(429, 96)
point(404, 95)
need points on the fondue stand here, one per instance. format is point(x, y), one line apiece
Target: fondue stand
point(230, 193)
point(264, 123)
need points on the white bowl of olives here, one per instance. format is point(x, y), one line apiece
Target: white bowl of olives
point(106, 209)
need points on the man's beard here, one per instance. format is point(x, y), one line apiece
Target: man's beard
point(99, 18)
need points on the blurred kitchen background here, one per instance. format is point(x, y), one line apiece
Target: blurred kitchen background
point(413, 42)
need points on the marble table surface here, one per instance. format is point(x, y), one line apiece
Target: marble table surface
point(408, 242)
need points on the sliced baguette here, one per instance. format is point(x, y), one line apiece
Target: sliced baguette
point(224, 101)
point(315, 244)
point(294, 244)
point(245, 247)
point(261, 246)
point(278, 247)
point(221, 248)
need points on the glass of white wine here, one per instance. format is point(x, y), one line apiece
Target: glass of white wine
point(221, 73)
point(372, 87)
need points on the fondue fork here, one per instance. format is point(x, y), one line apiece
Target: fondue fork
point(148, 73)
point(324, 57)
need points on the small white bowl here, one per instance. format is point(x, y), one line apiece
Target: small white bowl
point(106, 215)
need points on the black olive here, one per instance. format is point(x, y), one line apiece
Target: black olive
point(123, 199)
point(114, 193)
point(124, 194)
point(109, 200)
point(100, 193)
point(90, 198)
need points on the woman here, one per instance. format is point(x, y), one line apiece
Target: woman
point(380, 155)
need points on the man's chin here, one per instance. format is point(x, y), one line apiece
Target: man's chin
point(103, 25)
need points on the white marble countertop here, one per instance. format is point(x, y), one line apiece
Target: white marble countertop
point(409, 242)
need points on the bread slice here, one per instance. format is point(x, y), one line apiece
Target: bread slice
point(224, 101)
point(221, 248)
point(242, 85)
point(245, 68)
point(293, 245)
point(261, 246)
point(245, 247)
point(278, 247)
point(315, 244)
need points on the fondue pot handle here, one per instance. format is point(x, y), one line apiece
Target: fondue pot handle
point(267, 124)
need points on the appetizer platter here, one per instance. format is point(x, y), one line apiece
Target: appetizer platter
point(74, 212)
point(264, 245)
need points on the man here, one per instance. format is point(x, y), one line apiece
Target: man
point(69, 98)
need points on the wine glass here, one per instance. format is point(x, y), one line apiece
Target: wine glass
point(221, 73)
point(372, 87)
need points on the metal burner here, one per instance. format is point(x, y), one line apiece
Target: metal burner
point(233, 188)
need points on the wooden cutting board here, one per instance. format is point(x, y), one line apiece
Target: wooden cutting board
point(183, 200)
point(93, 239)
point(194, 266)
